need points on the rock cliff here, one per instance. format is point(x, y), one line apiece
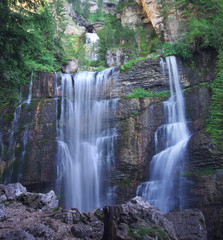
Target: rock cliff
point(30, 139)
point(163, 17)
point(137, 120)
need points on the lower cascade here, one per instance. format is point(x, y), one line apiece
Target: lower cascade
point(163, 188)
point(87, 135)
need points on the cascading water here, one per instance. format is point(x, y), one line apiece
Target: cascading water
point(171, 139)
point(14, 129)
point(86, 138)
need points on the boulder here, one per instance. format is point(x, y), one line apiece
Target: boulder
point(45, 202)
point(189, 224)
point(70, 67)
point(11, 191)
point(137, 219)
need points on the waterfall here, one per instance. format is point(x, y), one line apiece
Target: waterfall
point(14, 130)
point(163, 188)
point(87, 135)
point(30, 90)
point(91, 45)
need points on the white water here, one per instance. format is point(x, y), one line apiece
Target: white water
point(92, 41)
point(163, 188)
point(14, 129)
point(86, 139)
point(30, 90)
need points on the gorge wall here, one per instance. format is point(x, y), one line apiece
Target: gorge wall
point(35, 145)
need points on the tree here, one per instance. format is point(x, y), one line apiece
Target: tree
point(27, 43)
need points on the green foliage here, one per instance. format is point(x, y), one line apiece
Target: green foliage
point(202, 28)
point(141, 93)
point(144, 232)
point(56, 209)
point(207, 171)
point(183, 50)
point(122, 4)
point(215, 120)
point(99, 214)
point(202, 24)
point(130, 64)
point(147, 45)
point(113, 34)
point(168, 49)
point(81, 7)
point(30, 40)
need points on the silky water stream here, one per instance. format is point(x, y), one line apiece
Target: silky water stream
point(164, 186)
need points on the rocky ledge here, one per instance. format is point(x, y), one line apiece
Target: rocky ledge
point(29, 216)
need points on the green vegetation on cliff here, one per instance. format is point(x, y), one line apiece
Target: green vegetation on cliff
point(30, 40)
point(202, 28)
point(141, 93)
point(215, 120)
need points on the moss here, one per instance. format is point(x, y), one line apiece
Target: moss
point(5, 203)
point(191, 89)
point(56, 209)
point(124, 182)
point(32, 199)
point(129, 65)
point(142, 93)
point(207, 171)
point(9, 117)
point(144, 232)
point(134, 114)
point(99, 214)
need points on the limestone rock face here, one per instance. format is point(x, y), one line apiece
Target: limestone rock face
point(117, 56)
point(44, 86)
point(205, 193)
point(168, 27)
point(132, 16)
point(72, 27)
point(31, 156)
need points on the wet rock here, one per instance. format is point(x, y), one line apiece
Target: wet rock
point(44, 85)
point(205, 192)
point(189, 224)
point(144, 74)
